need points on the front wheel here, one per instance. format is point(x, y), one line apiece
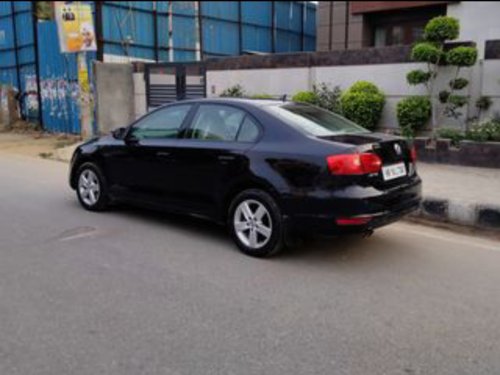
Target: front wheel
point(91, 187)
point(256, 224)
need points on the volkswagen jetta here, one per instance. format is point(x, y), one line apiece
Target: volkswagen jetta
point(267, 169)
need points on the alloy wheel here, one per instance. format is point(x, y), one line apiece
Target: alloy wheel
point(89, 187)
point(252, 223)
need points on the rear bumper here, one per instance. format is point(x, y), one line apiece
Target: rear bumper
point(381, 207)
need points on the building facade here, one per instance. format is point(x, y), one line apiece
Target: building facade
point(360, 24)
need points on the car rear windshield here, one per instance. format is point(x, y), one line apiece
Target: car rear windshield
point(315, 121)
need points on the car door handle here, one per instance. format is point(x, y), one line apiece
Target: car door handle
point(226, 157)
point(163, 154)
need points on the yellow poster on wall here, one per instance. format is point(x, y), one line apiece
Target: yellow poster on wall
point(75, 26)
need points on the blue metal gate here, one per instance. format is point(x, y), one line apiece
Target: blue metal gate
point(18, 52)
point(59, 82)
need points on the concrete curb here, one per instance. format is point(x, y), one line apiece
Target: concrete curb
point(482, 216)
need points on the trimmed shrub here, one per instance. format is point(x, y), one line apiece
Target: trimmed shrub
point(457, 100)
point(483, 103)
point(364, 86)
point(261, 96)
point(413, 113)
point(462, 56)
point(305, 97)
point(459, 83)
point(487, 131)
point(477, 133)
point(493, 129)
point(455, 135)
point(442, 28)
point(443, 96)
point(235, 91)
point(328, 98)
point(363, 103)
point(426, 52)
point(416, 77)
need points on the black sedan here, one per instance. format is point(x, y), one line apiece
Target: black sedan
point(270, 170)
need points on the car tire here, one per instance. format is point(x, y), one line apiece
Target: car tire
point(255, 223)
point(91, 187)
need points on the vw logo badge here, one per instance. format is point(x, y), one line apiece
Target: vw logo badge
point(397, 148)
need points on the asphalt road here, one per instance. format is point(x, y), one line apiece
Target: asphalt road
point(134, 292)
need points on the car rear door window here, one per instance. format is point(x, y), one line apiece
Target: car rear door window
point(163, 123)
point(214, 122)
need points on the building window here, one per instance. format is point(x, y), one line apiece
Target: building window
point(399, 27)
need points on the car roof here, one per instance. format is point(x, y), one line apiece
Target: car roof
point(229, 100)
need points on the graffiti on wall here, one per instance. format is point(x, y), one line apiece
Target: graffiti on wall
point(31, 98)
point(60, 97)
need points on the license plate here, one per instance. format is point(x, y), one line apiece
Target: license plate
point(391, 172)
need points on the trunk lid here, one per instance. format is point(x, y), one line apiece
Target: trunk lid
point(392, 150)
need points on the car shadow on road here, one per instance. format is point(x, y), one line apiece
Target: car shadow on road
point(352, 249)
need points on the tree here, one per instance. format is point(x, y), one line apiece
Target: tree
point(432, 51)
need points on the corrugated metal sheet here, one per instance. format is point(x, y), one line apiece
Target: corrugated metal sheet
point(227, 28)
point(17, 52)
point(257, 13)
point(59, 82)
point(128, 28)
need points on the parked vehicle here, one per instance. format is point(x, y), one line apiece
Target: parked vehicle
point(266, 168)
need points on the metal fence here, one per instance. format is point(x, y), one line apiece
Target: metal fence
point(18, 54)
point(190, 30)
point(154, 31)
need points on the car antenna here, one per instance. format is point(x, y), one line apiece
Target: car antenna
point(283, 98)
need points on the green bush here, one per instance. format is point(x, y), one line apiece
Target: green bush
point(493, 129)
point(442, 28)
point(363, 103)
point(457, 101)
point(261, 96)
point(416, 77)
point(413, 113)
point(477, 133)
point(483, 103)
point(443, 96)
point(305, 97)
point(462, 56)
point(455, 135)
point(235, 91)
point(486, 131)
point(364, 86)
point(327, 97)
point(458, 83)
point(322, 96)
point(426, 52)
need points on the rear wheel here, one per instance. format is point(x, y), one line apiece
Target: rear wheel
point(255, 223)
point(91, 187)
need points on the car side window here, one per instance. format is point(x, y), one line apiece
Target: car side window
point(214, 122)
point(249, 131)
point(163, 123)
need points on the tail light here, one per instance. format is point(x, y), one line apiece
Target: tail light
point(360, 220)
point(413, 154)
point(354, 164)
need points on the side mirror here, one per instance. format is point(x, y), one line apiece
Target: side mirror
point(119, 133)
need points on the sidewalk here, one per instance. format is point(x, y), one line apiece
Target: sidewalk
point(36, 144)
point(461, 195)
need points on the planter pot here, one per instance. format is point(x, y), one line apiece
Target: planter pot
point(469, 153)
